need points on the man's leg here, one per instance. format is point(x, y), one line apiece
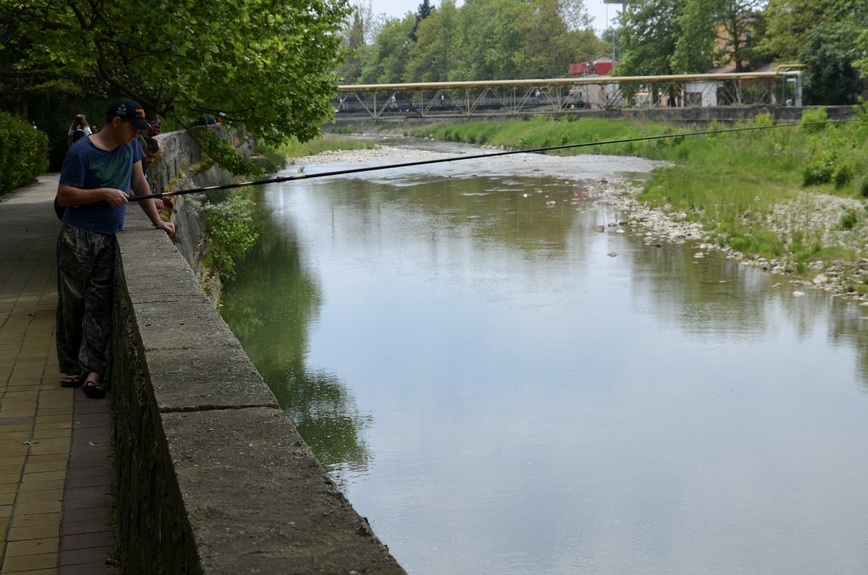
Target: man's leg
point(72, 272)
point(97, 320)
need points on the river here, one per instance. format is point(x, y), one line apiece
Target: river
point(504, 379)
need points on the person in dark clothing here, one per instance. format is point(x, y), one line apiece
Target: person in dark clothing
point(78, 129)
point(151, 148)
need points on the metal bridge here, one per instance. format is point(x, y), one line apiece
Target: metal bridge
point(564, 95)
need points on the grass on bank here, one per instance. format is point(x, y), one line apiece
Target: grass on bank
point(729, 182)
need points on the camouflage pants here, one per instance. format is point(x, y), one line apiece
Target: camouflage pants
point(85, 289)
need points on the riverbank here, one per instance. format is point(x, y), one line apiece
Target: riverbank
point(792, 197)
point(805, 215)
point(810, 214)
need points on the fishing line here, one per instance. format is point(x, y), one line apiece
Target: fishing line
point(304, 176)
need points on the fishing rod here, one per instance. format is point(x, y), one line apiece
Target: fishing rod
point(303, 176)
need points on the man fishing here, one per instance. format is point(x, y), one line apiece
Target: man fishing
point(96, 181)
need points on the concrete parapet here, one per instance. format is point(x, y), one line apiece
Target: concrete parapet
point(211, 476)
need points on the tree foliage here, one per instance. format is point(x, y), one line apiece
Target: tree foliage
point(385, 60)
point(422, 13)
point(829, 53)
point(649, 35)
point(824, 35)
point(28, 66)
point(433, 55)
point(482, 40)
point(354, 43)
point(861, 63)
point(509, 39)
point(788, 23)
point(268, 63)
point(542, 59)
point(717, 34)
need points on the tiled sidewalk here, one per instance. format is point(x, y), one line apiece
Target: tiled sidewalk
point(54, 442)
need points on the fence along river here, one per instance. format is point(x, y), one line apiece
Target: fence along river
point(501, 387)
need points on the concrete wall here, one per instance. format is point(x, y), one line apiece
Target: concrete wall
point(211, 475)
point(178, 153)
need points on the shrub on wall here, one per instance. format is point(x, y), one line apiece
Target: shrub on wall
point(230, 230)
point(23, 152)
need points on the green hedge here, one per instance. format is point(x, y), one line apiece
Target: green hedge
point(23, 152)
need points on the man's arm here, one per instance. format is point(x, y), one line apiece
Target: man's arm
point(141, 188)
point(72, 196)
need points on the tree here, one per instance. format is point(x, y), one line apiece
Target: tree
point(355, 42)
point(432, 56)
point(717, 33)
point(574, 14)
point(535, 58)
point(788, 23)
point(861, 64)
point(424, 10)
point(385, 61)
point(824, 35)
point(695, 46)
point(484, 40)
point(648, 37)
point(586, 45)
point(267, 64)
point(28, 68)
point(831, 77)
point(740, 26)
point(487, 39)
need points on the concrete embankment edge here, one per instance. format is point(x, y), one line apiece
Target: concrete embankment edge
point(211, 475)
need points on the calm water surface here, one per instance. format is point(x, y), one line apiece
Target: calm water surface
point(499, 388)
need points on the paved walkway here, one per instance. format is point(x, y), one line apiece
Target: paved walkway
point(55, 476)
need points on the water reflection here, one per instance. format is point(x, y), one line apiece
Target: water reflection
point(270, 308)
point(501, 387)
point(850, 327)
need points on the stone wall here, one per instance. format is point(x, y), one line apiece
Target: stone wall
point(180, 165)
point(211, 475)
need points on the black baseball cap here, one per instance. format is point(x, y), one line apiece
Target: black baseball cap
point(131, 110)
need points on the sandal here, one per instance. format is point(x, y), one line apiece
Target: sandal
point(70, 381)
point(93, 390)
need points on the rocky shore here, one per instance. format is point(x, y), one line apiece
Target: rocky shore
point(814, 217)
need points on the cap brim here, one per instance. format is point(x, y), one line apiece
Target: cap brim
point(140, 124)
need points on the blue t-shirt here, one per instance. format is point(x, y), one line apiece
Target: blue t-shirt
point(89, 167)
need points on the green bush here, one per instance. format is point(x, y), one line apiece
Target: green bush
point(820, 171)
point(23, 152)
point(849, 220)
point(842, 175)
point(764, 120)
point(230, 229)
point(813, 121)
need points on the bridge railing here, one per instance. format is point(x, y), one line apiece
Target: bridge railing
point(535, 96)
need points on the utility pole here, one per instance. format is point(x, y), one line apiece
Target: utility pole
point(623, 4)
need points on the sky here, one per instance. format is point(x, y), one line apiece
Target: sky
point(398, 8)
